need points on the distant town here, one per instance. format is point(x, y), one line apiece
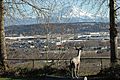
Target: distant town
point(94, 39)
point(56, 39)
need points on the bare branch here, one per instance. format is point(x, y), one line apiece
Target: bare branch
point(100, 6)
point(36, 7)
point(117, 8)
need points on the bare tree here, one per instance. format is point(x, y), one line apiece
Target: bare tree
point(3, 55)
point(113, 32)
point(3, 8)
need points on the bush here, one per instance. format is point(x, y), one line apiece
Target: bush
point(26, 72)
point(113, 73)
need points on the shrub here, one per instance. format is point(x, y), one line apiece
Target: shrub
point(111, 72)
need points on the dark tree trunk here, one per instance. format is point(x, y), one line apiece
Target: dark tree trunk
point(113, 33)
point(3, 55)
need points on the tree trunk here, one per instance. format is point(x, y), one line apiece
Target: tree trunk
point(3, 55)
point(113, 34)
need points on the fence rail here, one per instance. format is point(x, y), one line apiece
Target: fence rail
point(90, 62)
point(59, 59)
point(82, 58)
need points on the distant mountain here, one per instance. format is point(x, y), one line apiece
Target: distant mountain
point(28, 21)
point(57, 28)
point(78, 15)
point(21, 21)
point(69, 14)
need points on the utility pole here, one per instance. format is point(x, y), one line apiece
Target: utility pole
point(3, 65)
point(113, 33)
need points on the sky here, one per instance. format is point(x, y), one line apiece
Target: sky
point(68, 9)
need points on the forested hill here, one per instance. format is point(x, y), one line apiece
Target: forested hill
point(64, 28)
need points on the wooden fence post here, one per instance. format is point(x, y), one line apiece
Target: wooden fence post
point(101, 64)
point(33, 64)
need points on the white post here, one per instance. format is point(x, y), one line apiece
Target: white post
point(85, 78)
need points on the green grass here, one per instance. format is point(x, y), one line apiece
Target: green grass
point(13, 79)
point(4, 78)
point(10, 79)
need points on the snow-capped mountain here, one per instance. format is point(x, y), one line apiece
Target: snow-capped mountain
point(78, 15)
point(68, 14)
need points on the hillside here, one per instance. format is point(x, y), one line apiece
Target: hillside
point(64, 28)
